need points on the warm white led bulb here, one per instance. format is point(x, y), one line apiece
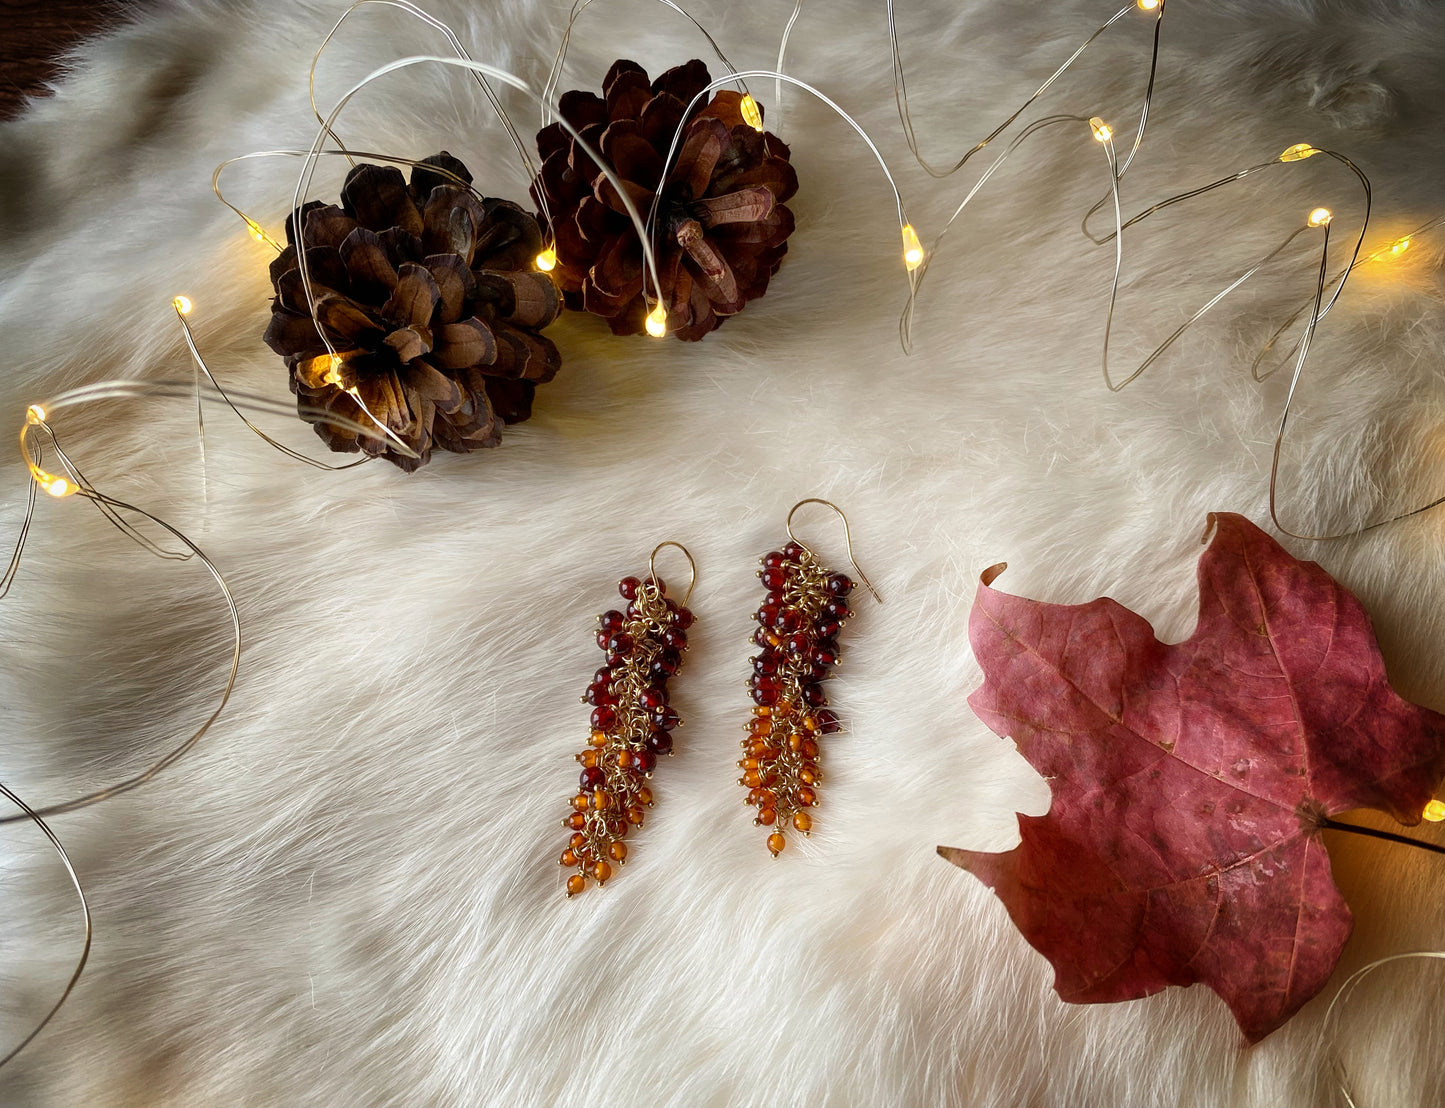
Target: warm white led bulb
point(1102, 131)
point(34, 414)
point(1148, 5)
point(657, 321)
point(182, 304)
point(1435, 811)
point(546, 261)
point(1298, 152)
point(1320, 217)
point(752, 116)
point(1399, 246)
point(912, 248)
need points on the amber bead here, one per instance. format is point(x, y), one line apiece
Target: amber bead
point(762, 711)
point(602, 871)
point(766, 817)
point(635, 816)
point(809, 749)
point(782, 708)
point(569, 858)
point(808, 774)
point(753, 779)
point(755, 795)
point(576, 821)
point(618, 852)
point(597, 738)
point(760, 726)
point(644, 796)
point(593, 777)
point(618, 828)
point(624, 758)
point(807, 797)
point(803, 822)
point(628, 587)
point(796, 740)
point(601, 800)
point(749, 763)
point(581, 801)
point(575, 884)
point(776, 842)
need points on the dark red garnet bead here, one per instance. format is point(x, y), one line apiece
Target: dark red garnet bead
point(666, 664)
point(603, 676)
point(773, 597)
point(838, 585)
point(603, 637)
point(656, 583)
point(828, 721)
point(825, 655)
point(773, 559)
point(666, 719)
point(598, 695)
point(766, 662)
point(612, 622)
point(837, 609)
point(788, 620)
point(767, 615)
point(814, 696)
point(774, 578)
point(628, 587)
point(621, 643)
point(660, 743)
point(682, 619)
point(652, 698)
point(644, 760)
point(765, 696)
point(674, 638)
point(593, 777)
point(799, 642)
point(827, 628)
point(793, 552)
point(766, 681)
point(604, 717)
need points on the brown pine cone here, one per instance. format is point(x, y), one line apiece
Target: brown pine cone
point(429, 296)
point(722, 228)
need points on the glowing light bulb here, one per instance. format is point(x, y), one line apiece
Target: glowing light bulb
point(1435, 811)
point(34, 414)
point(546, 261)
point(912, 248)
point(1398, 247)
point(657, 321)
point(59, 486)
point(1148, 5)
point(1321, 217)
point(1102, 131)
point(1298, 152)
point(752, 115)
point(182, 304)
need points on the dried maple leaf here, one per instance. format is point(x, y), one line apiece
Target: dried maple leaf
point(1189, 781)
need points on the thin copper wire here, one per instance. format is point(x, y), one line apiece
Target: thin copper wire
point(847, 538)
point(60, 850)
point(554, 76)
point(692, 565)
point(900, 92)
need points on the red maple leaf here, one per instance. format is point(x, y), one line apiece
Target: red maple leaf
point(1189, 781)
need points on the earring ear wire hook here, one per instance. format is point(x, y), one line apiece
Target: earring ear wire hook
point(847, 539)
point(692, 566)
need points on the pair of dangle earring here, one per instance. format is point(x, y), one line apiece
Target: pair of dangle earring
point(802, 613)
point(632, 721)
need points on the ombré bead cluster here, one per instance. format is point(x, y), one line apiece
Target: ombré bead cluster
point(632, 725)
point(798, 623)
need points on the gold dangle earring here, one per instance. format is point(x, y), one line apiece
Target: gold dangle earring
point(799, 619)
point(632, 722)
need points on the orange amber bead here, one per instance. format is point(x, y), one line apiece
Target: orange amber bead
point(644, 796)
point(588, 758)
point(601, 800)
point(575, 884)
point(580, 801)
point(618, 851)
point(579, 840)
point(569, 858)
point(576, 821)
point(635, 816)
point(749, 763)
point(755, 795)
point(618, 828)
point(807, 797)
point(752, 779)
point(766, 817)
point(602, 871)
point(760, 726)
point(803, 822)
point(810, 723)
point(782, 707)
point(598, 738)
point(762, 710)
point(808, 774)
point(810, 749)
point(796, 740)
point(624, 758)
point(776, 843)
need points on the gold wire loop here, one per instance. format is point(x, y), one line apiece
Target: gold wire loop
point(847, 539)
point(652, 567)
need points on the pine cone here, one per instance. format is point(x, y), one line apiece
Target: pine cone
point(430, 299)
point(722, 228)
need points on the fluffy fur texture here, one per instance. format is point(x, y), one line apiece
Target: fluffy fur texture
point(348, 894)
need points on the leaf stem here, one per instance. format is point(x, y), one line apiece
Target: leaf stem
point(1388, 836)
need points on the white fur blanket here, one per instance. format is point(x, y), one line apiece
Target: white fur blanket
point(348, 893)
